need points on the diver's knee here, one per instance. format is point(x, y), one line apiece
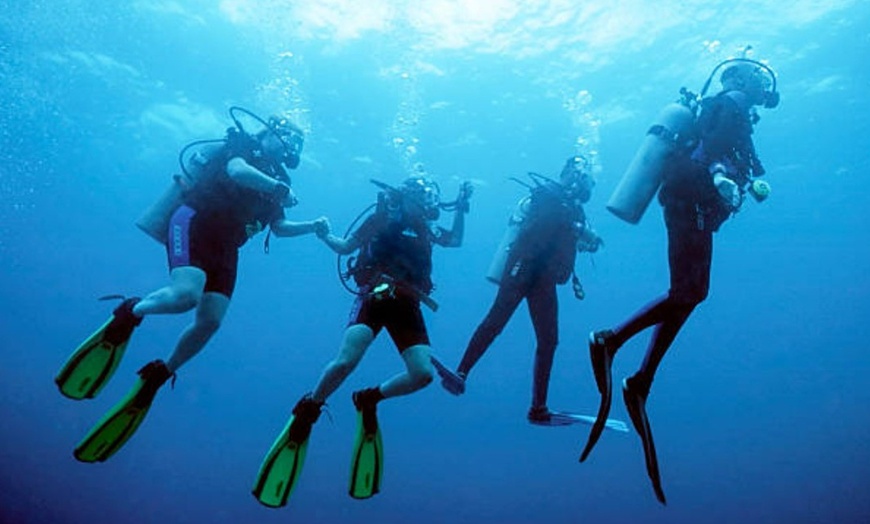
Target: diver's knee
point(187, 298)
point(423, 377)
point(687, 299)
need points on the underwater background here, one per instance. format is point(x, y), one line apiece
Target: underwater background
point(760, 410)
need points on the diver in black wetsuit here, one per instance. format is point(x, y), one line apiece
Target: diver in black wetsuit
point(552, 229)
point(701, 189)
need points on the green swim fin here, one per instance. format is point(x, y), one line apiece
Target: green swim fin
point(283, 463)
point(121, 422)
point(94, 362)
point(367, 463)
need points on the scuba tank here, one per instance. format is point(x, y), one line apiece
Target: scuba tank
point(671, 131)
point(505, 248)
point(516, 223)
point(197, 168)
point(155, 220)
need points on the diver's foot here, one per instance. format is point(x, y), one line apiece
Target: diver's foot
point(634, 393)
point(454, 383)
point(305, 414)
point(123, 322)
point(153, 374)
point(542, 416)
point(601, 351)
point(366, 402)
point(367, 399)
point(538, 415)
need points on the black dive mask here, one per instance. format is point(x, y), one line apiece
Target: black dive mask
point(575, 179)
point(291, 138)
point(770, 96)
point(771, 99)
point(422, 197)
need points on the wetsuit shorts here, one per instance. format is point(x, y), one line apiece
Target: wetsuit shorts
point(195, 241)
point(401, 316)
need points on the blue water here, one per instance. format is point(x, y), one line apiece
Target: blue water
point(759, 411)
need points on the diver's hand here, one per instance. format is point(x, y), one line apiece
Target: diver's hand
point(283, 195)
point(728, 191)
point(465, 192)
point(589, 241)
point(321, 227)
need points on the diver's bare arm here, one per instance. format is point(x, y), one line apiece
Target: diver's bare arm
point(248, 176)
point(286, 228)
point(453, 237)
point(342, 245)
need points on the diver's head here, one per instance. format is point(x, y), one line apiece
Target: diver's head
point(421, 196)
point(753, 80)
point(283, 140)
point(577, 179)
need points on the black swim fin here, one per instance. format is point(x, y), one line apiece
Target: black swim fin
point(121, 422)
point(602, 360)
point(282, 465)
point(635, 403)
point(94, 362)
point(367, 463)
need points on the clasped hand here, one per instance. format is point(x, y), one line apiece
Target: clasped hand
point(321, 227)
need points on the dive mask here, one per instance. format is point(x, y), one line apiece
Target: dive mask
point(762, 78)
point(750, 72)
point(291, 137)
point(576, 179)
point(424, 194)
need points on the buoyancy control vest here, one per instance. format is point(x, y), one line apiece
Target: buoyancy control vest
point(723, 129)
point(205, 186)
point(542, 235)
point(393, 244)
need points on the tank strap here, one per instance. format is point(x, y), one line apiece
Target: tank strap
point(666, 134)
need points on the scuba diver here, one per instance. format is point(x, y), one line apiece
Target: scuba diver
point(705, 174)
point(393, 272)
point(222, 199)
point(537, 254)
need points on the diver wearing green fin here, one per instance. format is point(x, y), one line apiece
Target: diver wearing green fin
point(226, 195)
point(392, 270)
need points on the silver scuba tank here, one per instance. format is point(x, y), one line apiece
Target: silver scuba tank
point(643, 177)
point(155, 220)
point(505, 248)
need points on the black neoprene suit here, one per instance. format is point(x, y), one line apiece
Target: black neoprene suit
point(539, 290)
point(543, 257)
point(693, 211)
